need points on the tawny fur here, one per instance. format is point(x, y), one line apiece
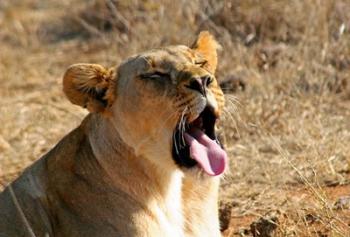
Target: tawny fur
point(114, 175)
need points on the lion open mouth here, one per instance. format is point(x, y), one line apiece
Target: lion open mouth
point(196, 143)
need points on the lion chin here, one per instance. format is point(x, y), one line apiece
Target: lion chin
point(146, 160)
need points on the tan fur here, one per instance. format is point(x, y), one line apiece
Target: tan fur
point(207, 46)
point(82, 81)
point(114, 175)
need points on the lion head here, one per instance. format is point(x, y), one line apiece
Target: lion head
point(164, 103)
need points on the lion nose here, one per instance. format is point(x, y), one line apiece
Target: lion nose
point(199, 84)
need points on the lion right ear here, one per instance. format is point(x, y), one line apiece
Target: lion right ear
point(207, 46)
point(90, 86)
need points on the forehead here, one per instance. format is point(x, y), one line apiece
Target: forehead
point(167, 59)
point(178, 52)
point(170, 57)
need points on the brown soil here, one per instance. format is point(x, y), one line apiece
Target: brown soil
point(313, 226)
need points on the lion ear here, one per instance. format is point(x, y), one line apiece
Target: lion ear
point(207, 46)
point(90, 86)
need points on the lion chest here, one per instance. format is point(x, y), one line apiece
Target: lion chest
point(167, 210)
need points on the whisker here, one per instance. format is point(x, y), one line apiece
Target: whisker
point(174, 139)
point(230, 111)
point(232, 99)
point(232, 105)
point(183, 127)
point(228, 114)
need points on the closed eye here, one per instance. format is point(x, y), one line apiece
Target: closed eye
point(200, 63)
point(155, 75)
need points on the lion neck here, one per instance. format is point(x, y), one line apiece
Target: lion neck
point(185, 200)
point(135, 175)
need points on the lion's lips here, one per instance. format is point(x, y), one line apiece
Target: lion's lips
point(207, 152)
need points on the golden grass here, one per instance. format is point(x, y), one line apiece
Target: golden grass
point(289, 140)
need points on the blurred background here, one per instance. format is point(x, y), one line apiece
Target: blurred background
point(284, 67)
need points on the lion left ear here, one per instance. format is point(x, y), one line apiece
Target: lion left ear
point(90, 86)
point(207, 46)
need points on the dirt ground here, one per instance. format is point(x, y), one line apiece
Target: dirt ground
point(285, 69)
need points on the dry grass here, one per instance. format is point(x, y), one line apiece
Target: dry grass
point(289, 140)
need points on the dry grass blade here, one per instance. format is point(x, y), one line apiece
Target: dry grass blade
point(327, 209)
point(20, 211)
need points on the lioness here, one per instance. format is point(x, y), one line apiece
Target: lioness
point(144, 162)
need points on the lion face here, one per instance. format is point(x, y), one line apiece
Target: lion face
point(164, 103)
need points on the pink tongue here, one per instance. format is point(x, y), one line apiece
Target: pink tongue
point(211, 157)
